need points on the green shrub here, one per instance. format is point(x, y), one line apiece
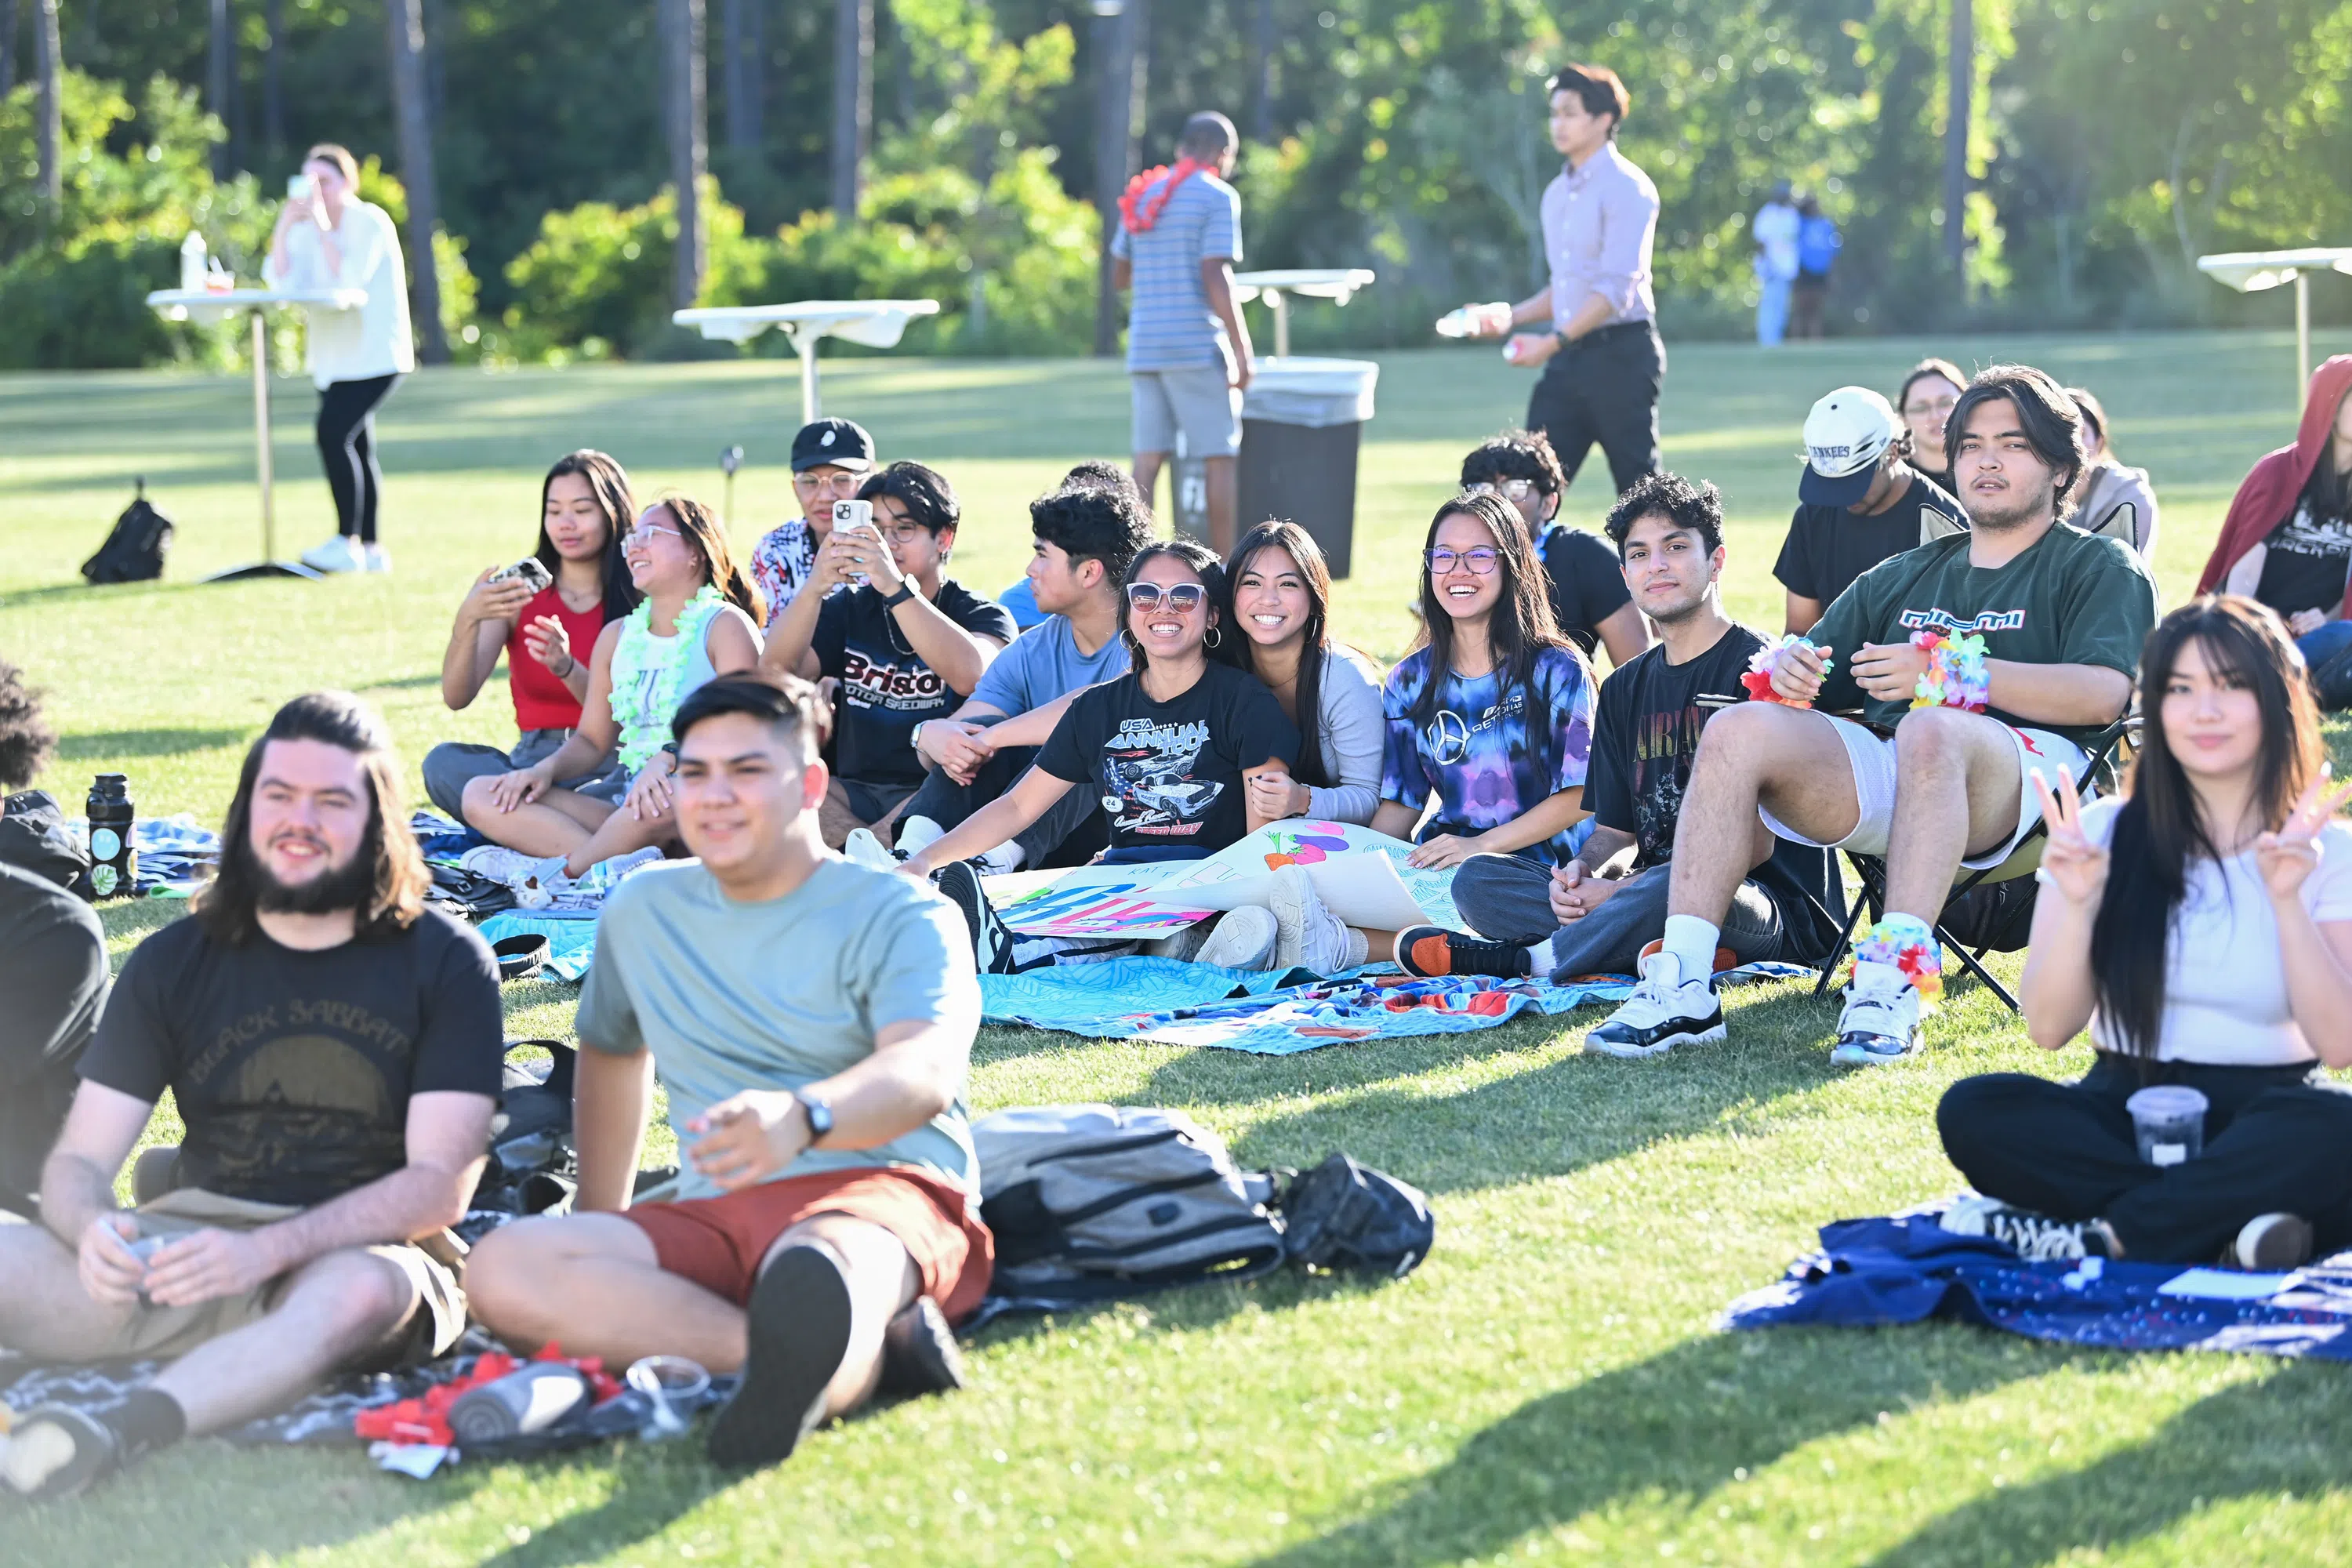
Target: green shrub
point(87, 310)
point(596, 281)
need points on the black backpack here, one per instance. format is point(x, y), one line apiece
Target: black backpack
point(135, 550)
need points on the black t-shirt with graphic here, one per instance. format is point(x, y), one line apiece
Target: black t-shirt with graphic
point(1586, 580)
point(885, 687)
point(293, 1070)
point(1644, 740)
point(1168, 774)
point(1828, 546)
point(2305, 564)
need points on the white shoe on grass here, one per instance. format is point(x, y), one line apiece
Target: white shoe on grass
point(533, 879)
point(1664, 1011)
point(1309, 935)
point(374, 558)
point(1243, 939)
point(340, 553)
point(1881, 1021)
point(861, 848)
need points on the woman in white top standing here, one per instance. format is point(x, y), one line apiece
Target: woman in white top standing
point(327, 237)
point(2201, 929)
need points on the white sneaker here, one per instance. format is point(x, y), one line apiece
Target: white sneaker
point(374, 558)
point(1309, 935)
point(605, 875)
point(534, 880)
point(1881, 1021)
point(1243, 939)
point(340, 553)
point(864, 849)
point(1664, 1011)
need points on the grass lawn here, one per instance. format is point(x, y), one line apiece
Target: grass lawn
point(1549, 1387)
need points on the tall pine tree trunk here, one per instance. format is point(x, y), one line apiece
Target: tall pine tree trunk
point(1262, 48)
point(1960, 65)
point(745, 46)
point(220, 60)
point(49, 135)
point(9, 33)
point(853, 102)
point(1124, 72)
point(273, 85)
point(690, 147)
point(411, 108)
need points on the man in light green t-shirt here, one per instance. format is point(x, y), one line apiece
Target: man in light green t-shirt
point(2062, 615)
point(812, 1021)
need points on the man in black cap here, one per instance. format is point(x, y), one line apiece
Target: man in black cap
point(831, 458)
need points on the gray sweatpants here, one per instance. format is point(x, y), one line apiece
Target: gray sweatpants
point(1508, 898)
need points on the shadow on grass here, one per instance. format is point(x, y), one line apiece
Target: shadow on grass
point(116, 597)
point(2278, 1435)
point(110, 744)
point(1676, 1426)
point(652, 1485)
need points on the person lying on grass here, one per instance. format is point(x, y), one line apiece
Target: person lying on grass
point(699, 620)
point(1169, 749)
point(1979, 660)
point(1599, 910)
point(1280, 589)
point(905, 641)
point(333, 1049)
point(546, 634)
point(2200, 927)
point(812, 1020)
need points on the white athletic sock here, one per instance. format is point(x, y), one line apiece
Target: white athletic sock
point(1005, 857)
point(1360, 949)
point(1692, 940)
point(1540, 962)
point(917, 833)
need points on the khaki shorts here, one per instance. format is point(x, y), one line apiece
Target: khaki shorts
point(163, 1333)
point(1199, 400)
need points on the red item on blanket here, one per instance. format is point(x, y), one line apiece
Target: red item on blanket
point(426, 1419)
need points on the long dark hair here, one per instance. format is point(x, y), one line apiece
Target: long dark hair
point(1275, 534)
point(609, 482)
point(698, 526)
point(1521, 623)
point(2160, 829)
point(397, 878)
point(1218, 646)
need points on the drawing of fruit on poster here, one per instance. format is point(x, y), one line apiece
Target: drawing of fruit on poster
point(1306, 845)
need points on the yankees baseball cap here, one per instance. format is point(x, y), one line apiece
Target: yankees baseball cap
point(1845, 436)
point(841, 443)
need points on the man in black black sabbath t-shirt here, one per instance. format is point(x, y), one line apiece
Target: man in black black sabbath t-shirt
point(333, 1048)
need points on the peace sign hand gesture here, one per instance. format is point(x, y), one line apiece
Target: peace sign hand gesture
point(2289, 856)
point(2071, 863)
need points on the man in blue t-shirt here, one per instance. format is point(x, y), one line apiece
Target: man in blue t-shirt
point(1086, 534)
point(1188, 350)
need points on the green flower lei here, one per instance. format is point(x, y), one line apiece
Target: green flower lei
point(647, 672)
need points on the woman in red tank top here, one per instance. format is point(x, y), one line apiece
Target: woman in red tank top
point(545, 633)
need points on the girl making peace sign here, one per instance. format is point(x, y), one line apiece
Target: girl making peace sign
point(2202, 928)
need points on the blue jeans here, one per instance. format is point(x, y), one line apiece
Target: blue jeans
point(1772, 310)
point(2320, 645)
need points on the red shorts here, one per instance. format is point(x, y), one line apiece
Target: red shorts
point(720, 1242)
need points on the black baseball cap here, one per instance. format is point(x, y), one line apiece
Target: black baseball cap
point(839, 443)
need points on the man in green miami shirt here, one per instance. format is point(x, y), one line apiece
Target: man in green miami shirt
point(2062, 615)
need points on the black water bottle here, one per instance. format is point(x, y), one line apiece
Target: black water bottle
point(114, 864)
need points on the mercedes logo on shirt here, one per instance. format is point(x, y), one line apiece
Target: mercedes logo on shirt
point(1449, 737)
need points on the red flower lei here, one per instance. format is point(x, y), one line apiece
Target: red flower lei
point(1137, 217)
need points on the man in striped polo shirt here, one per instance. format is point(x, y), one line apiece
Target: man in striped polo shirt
point(1188, 351)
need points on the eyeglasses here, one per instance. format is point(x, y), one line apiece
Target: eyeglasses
point(843, 485)
point(1480, 559)
point(642, 533)
point(904, 532)
point(1941, 405)
point(1183, 598)
point(1509, 489)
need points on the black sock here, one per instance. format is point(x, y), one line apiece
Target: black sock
point(149, 1419)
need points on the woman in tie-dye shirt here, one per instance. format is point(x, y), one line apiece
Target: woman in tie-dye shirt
point(1494, 716)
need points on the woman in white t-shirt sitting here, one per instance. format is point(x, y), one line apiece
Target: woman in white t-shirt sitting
point(2202, 928)
point(327, 237)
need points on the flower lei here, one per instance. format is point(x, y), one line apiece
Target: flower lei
point(1759, 679)
point(1135, 214)
point(647, 672)
point(1908, 943)
point(1956, 676)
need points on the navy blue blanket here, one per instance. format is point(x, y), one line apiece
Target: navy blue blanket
point(1906, 1269)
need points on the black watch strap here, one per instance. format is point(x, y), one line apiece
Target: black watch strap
point(820, 1117)
point(906, 592)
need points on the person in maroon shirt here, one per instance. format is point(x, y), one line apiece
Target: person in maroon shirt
point(546, 634)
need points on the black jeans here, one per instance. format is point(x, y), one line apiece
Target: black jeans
point(1506, 898)
point(1604, 387)
point(347, 448)
point(2277, 1141)
point(1070, 832)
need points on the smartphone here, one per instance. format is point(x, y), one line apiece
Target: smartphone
point(298, 186)
point(852, 514)
point(530, 569)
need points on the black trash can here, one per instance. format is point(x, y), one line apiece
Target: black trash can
point(1302, 422)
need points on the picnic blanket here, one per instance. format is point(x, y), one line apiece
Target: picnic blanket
point(571, 938)
point(1176, 1004)
point(1906, 1268)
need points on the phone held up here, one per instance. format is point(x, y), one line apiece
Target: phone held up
point(531, 569)
point(853, 514)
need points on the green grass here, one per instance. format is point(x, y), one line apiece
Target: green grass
point(1549, 1386)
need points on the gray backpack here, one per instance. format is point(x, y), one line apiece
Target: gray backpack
point(1093, 1202)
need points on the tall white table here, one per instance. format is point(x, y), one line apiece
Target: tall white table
point(2251, 271)
point(202, 305)
point(1337, 284)
point(875, 323)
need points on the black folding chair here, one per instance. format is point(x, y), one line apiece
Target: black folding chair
point(2110, 749)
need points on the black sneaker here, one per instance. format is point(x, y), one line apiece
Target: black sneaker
point(1432, 952)
point(2272, 1244)
point(992, 940)
point(799, 1331)
point(919, 1354)
point(2035, 1237)
point(56, 1451)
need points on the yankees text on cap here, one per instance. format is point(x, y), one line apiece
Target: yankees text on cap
point(1845, 436)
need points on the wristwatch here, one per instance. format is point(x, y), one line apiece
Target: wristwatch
point(820, 1117)
point(906, 592)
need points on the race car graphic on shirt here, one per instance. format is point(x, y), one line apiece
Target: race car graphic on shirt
point(1147, 779)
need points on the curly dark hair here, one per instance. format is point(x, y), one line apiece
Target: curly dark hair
point(1091, 521)
point(25, 737)
point(1695, 507)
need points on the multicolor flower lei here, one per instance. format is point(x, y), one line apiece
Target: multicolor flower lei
point(1759, 679)
point(1956, 676)
point(1908, 943)
point(647, 672)
point(1137, 217)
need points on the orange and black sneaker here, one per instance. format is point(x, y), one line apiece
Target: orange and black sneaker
point(1430, 952)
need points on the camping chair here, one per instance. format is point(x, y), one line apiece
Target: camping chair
point(2109, 750)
